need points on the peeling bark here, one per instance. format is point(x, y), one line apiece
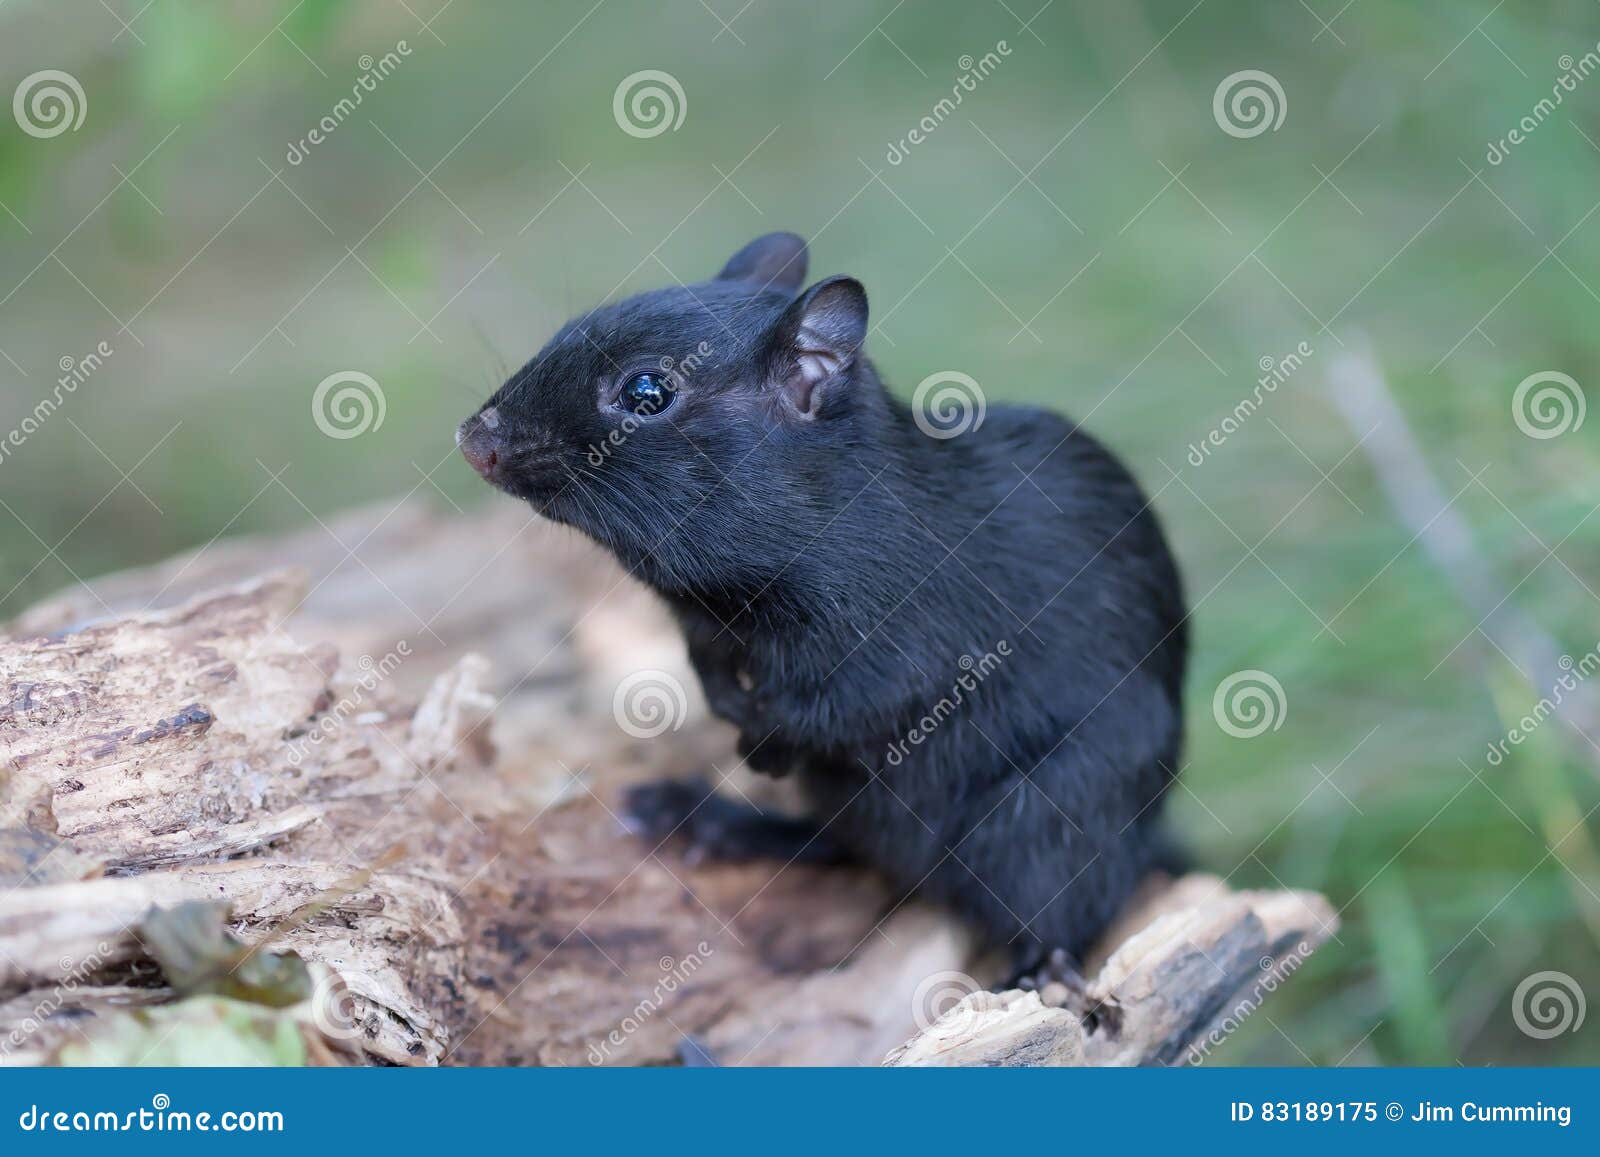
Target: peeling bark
point(402, 767)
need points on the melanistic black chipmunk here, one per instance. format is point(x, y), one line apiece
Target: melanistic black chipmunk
point(970, 649)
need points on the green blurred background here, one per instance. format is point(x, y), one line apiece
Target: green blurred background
point(483, 192)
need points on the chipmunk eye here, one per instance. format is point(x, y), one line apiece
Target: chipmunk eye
point(646, 394)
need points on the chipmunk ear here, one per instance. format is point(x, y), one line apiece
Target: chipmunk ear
point(775, 261)
point(816, 343)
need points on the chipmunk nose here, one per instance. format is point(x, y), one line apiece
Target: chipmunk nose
point(479, 443)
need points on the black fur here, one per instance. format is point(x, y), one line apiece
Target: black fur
point(846, 582)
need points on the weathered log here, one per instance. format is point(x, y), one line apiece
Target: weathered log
point(388, 747)
point(993, 1029)
point(1191, 961)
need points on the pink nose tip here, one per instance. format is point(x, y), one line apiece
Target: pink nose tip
point(479, 446)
